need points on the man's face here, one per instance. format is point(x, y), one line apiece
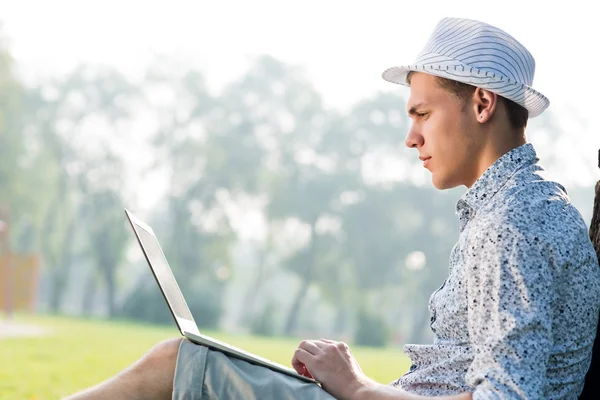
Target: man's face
point(444, 133)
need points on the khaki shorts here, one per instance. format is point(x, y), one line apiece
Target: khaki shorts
point(205, 374)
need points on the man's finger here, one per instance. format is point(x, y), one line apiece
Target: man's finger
point(301, 369)
point(306, 373)
point(302, 361)
point(298, 365)
point(310, 346)
point(300, 358)
point(322, 343)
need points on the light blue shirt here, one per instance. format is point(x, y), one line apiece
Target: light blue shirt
point(516, 317)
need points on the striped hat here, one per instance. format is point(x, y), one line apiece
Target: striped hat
point(481, 55)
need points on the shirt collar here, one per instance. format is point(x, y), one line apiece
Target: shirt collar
point(496, 176)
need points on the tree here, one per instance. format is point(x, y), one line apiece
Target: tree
point(388, 216)
point(11, 140)
point(16, 169)
point(286, 116)
point(106, 226)
point(200, 156)
point(70, 119)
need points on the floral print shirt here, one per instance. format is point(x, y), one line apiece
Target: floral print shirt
point(516, 317)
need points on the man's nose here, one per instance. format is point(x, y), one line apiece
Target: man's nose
point(413, 138)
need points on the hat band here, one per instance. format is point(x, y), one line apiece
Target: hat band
point(448, 68)
point(429, 62)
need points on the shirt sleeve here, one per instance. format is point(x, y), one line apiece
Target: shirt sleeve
point(509, 313)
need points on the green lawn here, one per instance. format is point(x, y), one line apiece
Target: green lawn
point(80, 353)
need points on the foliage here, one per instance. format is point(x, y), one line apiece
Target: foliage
point(72, 122)
point(263, 323)
point(11, 112)
point(146, 304)
point(372, 330)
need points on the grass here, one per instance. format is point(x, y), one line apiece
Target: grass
point(80, 353)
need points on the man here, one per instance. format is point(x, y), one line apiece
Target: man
point(517, 315)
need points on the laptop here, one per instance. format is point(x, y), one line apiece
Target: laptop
point(179, 308)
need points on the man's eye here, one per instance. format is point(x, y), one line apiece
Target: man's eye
point(421, 114)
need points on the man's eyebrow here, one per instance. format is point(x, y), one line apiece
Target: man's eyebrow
point(413, 109)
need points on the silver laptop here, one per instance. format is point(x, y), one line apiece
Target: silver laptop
point(179, 309)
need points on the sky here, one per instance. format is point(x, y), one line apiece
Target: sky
point(343, 46)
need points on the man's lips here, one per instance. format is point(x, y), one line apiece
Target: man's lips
point(425, 161)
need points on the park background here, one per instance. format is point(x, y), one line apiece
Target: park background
point(260, 142)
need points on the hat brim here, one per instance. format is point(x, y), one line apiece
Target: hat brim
point(533, 101)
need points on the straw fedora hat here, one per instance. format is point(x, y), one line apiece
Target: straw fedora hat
point(481, 55)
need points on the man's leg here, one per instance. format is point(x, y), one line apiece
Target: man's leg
point(182, 370)
point(151, 377)
point(205, 374)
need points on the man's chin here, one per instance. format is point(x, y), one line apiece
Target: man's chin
point(442, 184)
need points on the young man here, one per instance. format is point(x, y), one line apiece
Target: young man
point(517, 315)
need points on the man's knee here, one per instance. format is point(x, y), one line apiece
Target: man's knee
point(158, 363)
point(163, 354)
point(152, 375)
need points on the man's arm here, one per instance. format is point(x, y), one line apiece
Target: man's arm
point(386, 392)
point(509, 281)
point(510, 326)
point(332, 364)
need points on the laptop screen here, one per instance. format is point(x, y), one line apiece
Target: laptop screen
point(163, 273)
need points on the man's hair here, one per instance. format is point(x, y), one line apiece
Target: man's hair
point(517, 114)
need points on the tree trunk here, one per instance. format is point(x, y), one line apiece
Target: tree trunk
point(249, 299)
point(59, 283)
point(343, 299)
point(341, 320)
point(110, 290)
point(61, 266)
point(87, 304)
point(417, 329)
point(595, 224)
point(591, 387)
point(290, 325)
point(60, 258)
point(308, 278)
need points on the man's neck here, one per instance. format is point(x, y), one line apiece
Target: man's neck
point(500, 143)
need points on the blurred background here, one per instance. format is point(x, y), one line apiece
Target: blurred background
point(261, 144)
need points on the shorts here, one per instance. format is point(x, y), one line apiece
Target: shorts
point(205, 374)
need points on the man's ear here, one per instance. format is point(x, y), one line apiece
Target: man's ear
point(484, 104)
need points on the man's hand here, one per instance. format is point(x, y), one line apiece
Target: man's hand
point(332, 364)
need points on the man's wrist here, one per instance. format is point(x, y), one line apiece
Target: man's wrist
point(378, 391)
point(366, 390)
